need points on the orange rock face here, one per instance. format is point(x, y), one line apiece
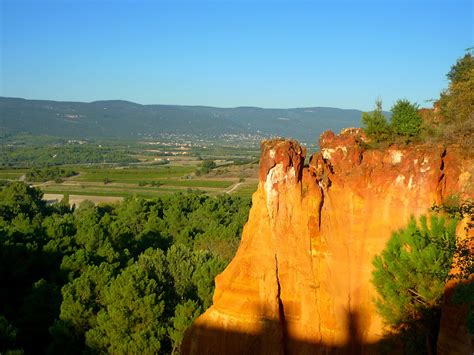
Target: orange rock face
point(300, 281)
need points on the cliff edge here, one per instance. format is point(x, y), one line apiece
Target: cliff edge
point(300, 281)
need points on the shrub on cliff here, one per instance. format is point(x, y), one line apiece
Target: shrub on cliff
point(375, 124)
point(410, 275)
point(406, 121)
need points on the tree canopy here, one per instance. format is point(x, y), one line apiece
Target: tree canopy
point(124, 278)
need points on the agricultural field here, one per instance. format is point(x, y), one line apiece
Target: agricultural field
point(246, 189)
point(12, 174)
point(149, 169)
point(151, 182)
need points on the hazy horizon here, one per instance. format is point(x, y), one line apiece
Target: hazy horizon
point(184, 105)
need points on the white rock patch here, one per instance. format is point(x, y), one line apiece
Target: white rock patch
point(410, 183)
point(396, 156)
point(327, 152)
point(400, 180)
point(424, 168)
point(276, 175)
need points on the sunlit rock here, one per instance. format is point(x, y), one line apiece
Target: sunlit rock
point(300, 281)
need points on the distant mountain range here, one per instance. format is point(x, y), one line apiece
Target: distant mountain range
point(123, 119)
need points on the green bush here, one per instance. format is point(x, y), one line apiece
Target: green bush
point(406, 121)
point(375, 124)
point(205, 167)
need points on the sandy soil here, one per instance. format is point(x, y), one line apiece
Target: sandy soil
point(77, 199)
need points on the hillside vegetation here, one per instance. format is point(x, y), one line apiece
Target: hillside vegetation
point(451, 120)
point(123, 119)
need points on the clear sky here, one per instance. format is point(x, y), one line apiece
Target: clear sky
point(232, 53)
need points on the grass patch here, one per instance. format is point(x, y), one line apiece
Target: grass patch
point(198, 183)
point(133, 175)
point(12, 174)
point(245, 190)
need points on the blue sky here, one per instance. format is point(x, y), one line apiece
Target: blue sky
point(232, 53)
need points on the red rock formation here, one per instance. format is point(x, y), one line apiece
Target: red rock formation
point(300, 281)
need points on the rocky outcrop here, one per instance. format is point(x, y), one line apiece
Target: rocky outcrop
point(300, 281)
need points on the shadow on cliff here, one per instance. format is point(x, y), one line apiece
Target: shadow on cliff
point(274, 339)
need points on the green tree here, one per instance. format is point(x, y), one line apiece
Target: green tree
point(7, 335)
point(406, 121)
point(181, 267)
point(375, 124)
point(206, 167)
point(461, 70)
point(91, 234)
point(81, 303)
point(60, 230)
point(457, 102)
point(19, 198)
point(411, 272)
point(185, 314)
point(37, 314)
point(132, 321)
point(203, 277)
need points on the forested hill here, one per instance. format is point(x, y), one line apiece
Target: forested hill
point(116, 119)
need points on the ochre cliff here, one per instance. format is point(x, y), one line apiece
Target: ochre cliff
point(300, 281)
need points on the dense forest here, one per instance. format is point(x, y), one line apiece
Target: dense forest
point(124, 278)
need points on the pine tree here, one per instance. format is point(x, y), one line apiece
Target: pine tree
point(375, 124)
point(185, 314)
point(132, 320)
point(410, 274)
